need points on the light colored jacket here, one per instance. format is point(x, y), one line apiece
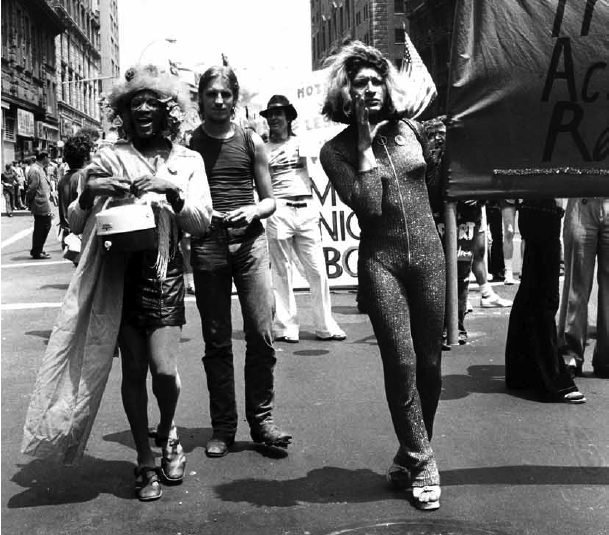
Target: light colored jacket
point(79, 355)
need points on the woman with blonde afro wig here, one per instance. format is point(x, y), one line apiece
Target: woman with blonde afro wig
point(378, 167)
point(133, 299)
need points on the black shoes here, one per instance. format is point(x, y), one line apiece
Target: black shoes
point(41, 256)
point(218, 445)
point(270, 435)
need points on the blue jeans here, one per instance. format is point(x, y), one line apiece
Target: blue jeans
point(217, 262)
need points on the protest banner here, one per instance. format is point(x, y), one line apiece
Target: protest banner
point(339, 226)
point(528, 103)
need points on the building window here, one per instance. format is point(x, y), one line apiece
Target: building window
point(8, 128)
point(400, 36)
point(398, 6)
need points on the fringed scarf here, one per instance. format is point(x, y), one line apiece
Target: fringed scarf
point(167, 237)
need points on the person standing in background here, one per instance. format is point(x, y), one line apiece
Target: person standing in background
point(508, 217)
point(39, 201)
point(9, 181)
point(77, 153)
point(586, 242)
point(293, 230)
point(532, 357)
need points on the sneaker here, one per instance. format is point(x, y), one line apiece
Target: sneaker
point(468, 306)
point(509, 280)
point(494, 301)
point(463, 338)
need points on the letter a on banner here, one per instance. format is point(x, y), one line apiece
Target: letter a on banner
point(528, 102)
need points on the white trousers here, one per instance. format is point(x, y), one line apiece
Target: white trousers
point(293, 232)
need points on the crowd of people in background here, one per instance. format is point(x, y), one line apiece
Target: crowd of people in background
point(210, 201)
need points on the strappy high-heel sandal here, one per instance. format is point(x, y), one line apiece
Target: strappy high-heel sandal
point(147, 484)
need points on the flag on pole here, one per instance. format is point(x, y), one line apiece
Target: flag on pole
point(413, 73)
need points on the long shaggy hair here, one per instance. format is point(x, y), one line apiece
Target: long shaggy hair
point(169, 89)
point(343, 66)
point(226, 73)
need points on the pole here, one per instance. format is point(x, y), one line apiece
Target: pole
point(452, 318)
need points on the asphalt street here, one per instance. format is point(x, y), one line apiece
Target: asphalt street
point(510, 463)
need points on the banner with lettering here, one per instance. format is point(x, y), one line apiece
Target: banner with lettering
point(528, 103)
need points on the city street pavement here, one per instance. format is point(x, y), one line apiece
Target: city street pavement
point(510, 463)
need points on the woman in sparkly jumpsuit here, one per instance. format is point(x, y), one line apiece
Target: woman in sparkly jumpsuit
point(377, 167)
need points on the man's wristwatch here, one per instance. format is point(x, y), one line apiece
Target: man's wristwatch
point(176, 198)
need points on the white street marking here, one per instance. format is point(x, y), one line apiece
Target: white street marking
point(16, 237)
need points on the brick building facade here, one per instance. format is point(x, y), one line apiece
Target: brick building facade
point(29, 102)
point(380, 23)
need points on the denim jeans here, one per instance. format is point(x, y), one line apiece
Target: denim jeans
point(42, 227)
point(586, 238)
point(217, 262)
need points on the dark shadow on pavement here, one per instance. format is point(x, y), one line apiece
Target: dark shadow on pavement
point(528, 475)
point(481, 379)
point(190, 437)
point(55, 287)
point(40, 334)
point(323, 485)
point(338, 485)
point(310, 352)
point(54, 484)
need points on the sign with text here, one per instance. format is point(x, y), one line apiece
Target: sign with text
point(339, 226)
point(25, 123)
point(528, 104)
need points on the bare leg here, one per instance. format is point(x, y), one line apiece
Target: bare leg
point(134, 361)
point(166, 384)
point(508, 215)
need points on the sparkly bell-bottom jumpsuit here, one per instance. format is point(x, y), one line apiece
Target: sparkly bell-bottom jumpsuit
point(401, 277)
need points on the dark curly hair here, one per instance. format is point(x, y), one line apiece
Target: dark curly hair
point(77, 149)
